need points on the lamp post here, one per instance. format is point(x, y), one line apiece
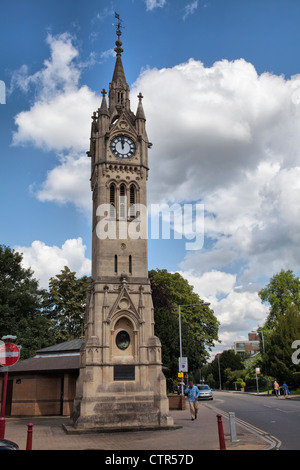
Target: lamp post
point(220, 384)
point(180, 340)
point(263, 345)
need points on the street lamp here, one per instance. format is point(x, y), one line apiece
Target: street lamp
point(220, 384)
point(263, 345)
point(180, 340)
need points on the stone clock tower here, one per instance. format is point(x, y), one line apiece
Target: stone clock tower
point(121, 384)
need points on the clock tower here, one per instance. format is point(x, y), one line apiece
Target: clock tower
point(121, 385)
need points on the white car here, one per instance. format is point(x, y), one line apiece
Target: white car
point(205, 392)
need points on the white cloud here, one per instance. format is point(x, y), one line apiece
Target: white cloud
point(60, 72)
point(151, 4)
point(210, 125)
point(238, 310)
point(69, 182)
point(190, 8)
point(59, 121)
point(211, 283)
point(59, 124)
point(228, 137)
point(47, 261)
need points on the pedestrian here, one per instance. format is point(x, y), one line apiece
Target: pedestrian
point(192, 393)
point(285, 389)
point(276, 388)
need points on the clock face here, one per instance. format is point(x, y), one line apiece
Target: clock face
point(122, 146)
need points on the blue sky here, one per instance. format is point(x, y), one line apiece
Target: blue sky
point(220, 80)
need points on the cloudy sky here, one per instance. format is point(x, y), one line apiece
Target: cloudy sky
point(221, 87)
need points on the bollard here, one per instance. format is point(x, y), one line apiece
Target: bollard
point(2, 427)
point(232, 426)
point(221, 432)
point(29, 436)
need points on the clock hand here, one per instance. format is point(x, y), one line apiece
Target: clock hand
point(122, 142)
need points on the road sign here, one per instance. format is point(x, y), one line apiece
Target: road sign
point(183, 364)
point(257, 370)
point(180, 374)
point(9, 354)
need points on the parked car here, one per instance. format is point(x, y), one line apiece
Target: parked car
point(205, 392)
point(8, 445)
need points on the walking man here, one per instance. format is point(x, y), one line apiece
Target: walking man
point(192, 393)
point(285, 390)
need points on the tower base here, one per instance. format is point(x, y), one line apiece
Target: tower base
point(123, 406)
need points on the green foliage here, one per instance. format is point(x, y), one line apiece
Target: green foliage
point(228, 364)
point(278, 345)
point(64, 304)
point(20, 301)
point(281, 292)
point(282, 326)
point(198, 324)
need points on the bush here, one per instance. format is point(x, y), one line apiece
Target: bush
point(240, 384)
point(296, 379)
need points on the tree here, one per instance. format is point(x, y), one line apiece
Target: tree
point(282, 291)
point(278, 345)
point(64, 304)
point(282, 326)
point(20, 301)
point(228, 361)
point(199, 325)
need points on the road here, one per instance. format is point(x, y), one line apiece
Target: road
point(278, 417)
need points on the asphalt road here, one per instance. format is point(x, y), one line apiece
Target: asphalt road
point(278, 417)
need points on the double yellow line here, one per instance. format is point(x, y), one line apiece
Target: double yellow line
point(272, 439)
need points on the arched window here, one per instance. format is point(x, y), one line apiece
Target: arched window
point(122, 201)
point(120, 97)
point(130, 264)
point(132, 201)
point(112, 198)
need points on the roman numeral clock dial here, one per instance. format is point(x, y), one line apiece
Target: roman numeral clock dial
point(122, 147)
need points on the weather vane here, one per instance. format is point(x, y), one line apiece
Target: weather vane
point(118, 25)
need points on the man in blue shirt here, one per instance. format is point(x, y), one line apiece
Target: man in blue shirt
point(192, 393)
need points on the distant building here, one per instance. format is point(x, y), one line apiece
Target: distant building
point(44, 384)
point(250, 347)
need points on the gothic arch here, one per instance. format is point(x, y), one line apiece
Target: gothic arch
point(124, 336)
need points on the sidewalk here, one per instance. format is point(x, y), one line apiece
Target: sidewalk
point(201, 434)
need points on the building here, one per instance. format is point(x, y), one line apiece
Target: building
point(121, 384)
point(45, 384)
point(250, 347)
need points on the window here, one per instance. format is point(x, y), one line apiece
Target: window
point(130, 264)
point(132, 201)
point(116, 263)
point(120, 97)
point(112, 196)
point(122, 201)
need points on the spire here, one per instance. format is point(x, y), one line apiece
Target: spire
point(140, 110)
point(118, 88)
point(103, 108)
point(119, 75)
